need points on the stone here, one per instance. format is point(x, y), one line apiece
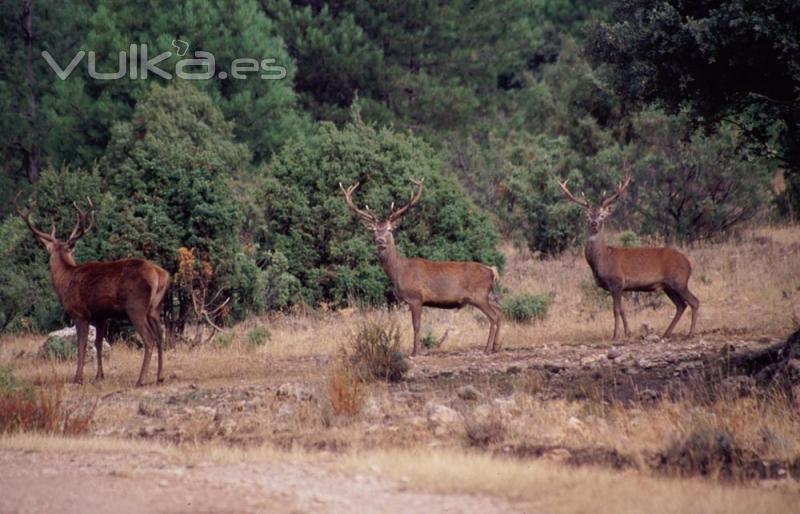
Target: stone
point(651, 338)
point(71, 334)
point(291, 391)
point(468, 392)
point(613, 354)
point(441, 418)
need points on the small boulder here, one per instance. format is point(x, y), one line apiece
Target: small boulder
point(468, 392)
point(291, 391)
point(441, 418)
point(63, 345)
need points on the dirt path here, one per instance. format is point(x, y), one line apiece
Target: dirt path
point(34, 482)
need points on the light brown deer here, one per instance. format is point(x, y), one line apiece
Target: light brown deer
point(422, 282)
point(94, 292)
point(634, 269)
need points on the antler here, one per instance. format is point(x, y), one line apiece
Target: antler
point(582, 203)
point(620, 189)
point(366, 216)
point(81, 227)
point(397, 214)
point(26, 216)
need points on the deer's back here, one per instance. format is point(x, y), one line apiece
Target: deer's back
point(648, 268)
point(445, 283)
point(99, 289)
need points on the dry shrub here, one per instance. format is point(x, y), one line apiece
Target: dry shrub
point(375, 352)
point(44, 410)
point(707, 452)
point(345, 390)
point(484, 430)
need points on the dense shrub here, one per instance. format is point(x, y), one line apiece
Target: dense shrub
point(326, 248)
point(59, 348)
point(526, 307)
point(258, 336)
point(629, 238)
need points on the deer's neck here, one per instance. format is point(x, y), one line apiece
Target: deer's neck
point(61, 274)
point(392, 262)
point(595, 251)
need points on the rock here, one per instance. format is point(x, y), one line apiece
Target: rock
point(613, 354)
point(590, 361)
point(651, 338)
point(291, 391)
point(146, 408)
point(557, 455)
point(574, 423)
point(468, 392)
point(284, 412)
point(71, 335)
point(441, 418)
point(738, 385)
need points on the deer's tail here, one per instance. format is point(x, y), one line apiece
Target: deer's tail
point(495, 292)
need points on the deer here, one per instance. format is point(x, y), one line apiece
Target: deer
point(424, 283)
point(93, 292)
point(634, 269)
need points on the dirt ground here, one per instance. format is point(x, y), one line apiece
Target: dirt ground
point(123, 483)
point(283, 408)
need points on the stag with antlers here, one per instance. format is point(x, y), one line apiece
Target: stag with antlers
point(93, 292)
point(421, 282)
point(634, 269)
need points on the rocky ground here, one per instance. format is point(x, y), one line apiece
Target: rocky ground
point(443, 393)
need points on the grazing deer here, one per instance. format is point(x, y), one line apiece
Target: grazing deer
point(93, 292)
point(634, 269)
point(421, 282)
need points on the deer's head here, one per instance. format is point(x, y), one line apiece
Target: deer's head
point(381, 229)
point(52, 244)
point(596, 214)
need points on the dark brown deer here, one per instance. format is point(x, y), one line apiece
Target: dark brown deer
point(421, 282)
point(93, 292)
point(634, 269)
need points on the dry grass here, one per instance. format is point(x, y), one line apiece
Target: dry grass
point(548, 487)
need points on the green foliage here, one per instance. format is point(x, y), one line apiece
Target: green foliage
point(375, 352)
point(629, 238)
point(429, 340)
point(526, 307)
point(224, 340)
point(60, 348)
point(695, 189)
point(258, 336)
point(8, 381)
point(723, 60)
point(329, 252)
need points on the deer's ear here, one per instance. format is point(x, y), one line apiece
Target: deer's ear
point(368, 224)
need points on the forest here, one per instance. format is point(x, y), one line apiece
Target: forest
point(231, 184)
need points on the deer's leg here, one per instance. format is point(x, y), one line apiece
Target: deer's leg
point(680, 306)
point(102, 328)
point(82, 330)
point(142, 327)
point(624, 317)
point(617, 298)
point(158, 335)
point(694, 303)
point(494, 324)
point(416, 314)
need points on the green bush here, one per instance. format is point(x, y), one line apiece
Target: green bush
point(60, 348)
point(258, 336)
point(8, 381)
point(429, 340)
point(224, 339)
point(327, 250)
point(629, 238)
point(375, 352)
point(526, 307)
